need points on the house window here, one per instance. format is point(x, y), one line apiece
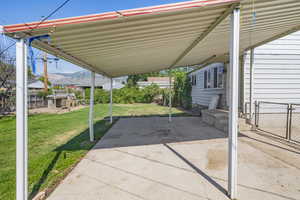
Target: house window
point(213, 78)
point(205, 79)
point(220, 77)
point(194, 80)
point(208, 79)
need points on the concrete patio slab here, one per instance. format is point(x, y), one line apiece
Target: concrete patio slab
point(151, 159)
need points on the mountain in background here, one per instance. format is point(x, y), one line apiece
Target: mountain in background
point(79, 78)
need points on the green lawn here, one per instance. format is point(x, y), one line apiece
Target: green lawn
point(56, 143)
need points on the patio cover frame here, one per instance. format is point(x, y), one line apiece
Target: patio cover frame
point(22, 115)
point(234, 54)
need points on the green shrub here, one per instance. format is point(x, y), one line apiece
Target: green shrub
point(180, 93)
point(126, 95)
point(166, 96)
point(150, 92)
point(182, 90)
point(44, 93)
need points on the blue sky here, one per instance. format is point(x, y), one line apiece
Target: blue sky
point(20, 11)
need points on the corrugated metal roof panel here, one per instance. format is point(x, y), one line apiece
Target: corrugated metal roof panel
point(153, 38)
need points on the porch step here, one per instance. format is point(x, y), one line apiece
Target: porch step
point(219, 119)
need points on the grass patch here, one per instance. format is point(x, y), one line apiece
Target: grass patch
point(57, 142)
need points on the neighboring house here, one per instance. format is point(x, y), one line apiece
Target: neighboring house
point(86, 84)
point(63, 83)
point(35, 100)
point(276, 76)
point(35, 85)
point(116, 85)
point(162, 82)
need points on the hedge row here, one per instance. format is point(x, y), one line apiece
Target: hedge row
point(126, 95)
point(180, 94)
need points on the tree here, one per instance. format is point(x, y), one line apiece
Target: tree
point(133, 79)
point(8, 79)
point(7, 82)
point(182, 90)
point(42, 78)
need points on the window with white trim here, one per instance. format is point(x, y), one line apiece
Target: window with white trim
point(213, 77)
point(205, 79)
point(221, 77)
point(194, 79)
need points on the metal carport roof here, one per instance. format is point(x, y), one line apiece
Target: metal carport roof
point(155, 38)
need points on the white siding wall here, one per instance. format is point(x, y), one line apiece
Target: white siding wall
point(200, 95)
point(276, 71)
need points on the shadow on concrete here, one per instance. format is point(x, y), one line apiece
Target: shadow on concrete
point(79, 142)
point(199, 171)
point(297, 147)
point(137, 131)
point(211, 180)
point(147, 130)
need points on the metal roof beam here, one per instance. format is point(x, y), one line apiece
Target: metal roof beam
point(59, 53)
point(204, 34)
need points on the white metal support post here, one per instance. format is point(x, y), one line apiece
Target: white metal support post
point(251, 83)
point(233, 105)
point(21, 121)
point(26, 117)
point(111, 100)
point(170, 96)
point(91, 116)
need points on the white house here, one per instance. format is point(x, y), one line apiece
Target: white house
point(116, 85)
point(161, 82)
point(276, 72)
point(276, 76)
point(207, 83)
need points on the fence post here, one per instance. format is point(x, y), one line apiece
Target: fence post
point(287, 122)
point(290, 122)
point(255, 115)
point(257, 118)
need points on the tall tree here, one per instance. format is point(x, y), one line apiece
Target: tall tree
point(7, 82)
point(133, 79)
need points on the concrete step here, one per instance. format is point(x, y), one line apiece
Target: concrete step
point(243, 125)
point(222, 124)
point(219, 119)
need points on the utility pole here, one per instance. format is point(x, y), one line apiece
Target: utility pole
point(45, 60)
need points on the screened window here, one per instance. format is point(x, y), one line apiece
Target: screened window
point(205, 79)
point(208, 79)
point(213, 78)
point(220, 77)
point(194, 79)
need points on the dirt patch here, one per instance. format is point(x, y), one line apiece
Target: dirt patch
point(55, 110)
point(217, 159)
point(62, 138)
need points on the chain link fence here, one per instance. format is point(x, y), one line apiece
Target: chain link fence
point(279, 119)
